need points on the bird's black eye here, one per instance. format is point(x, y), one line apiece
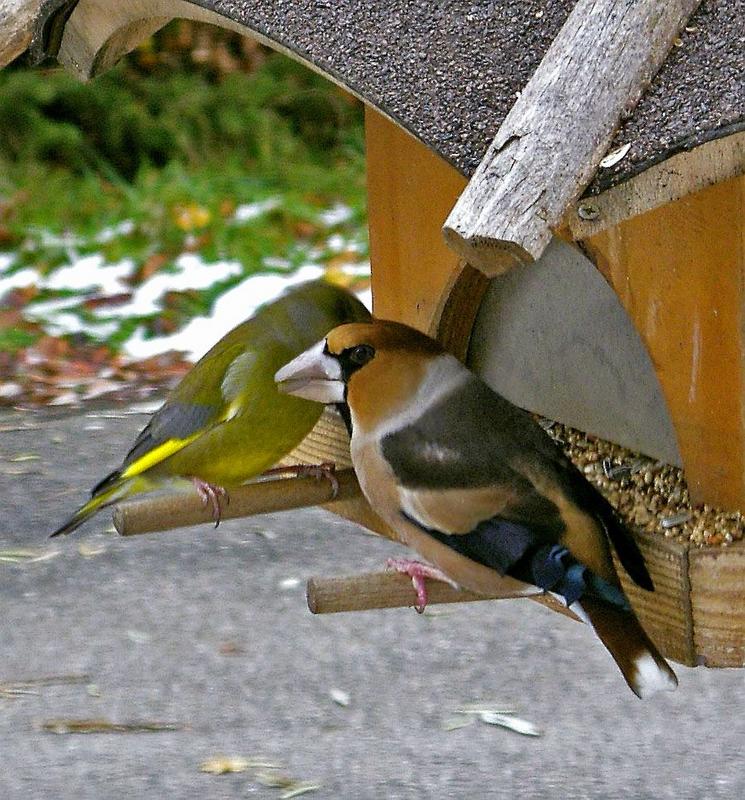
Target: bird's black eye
point(361, 354)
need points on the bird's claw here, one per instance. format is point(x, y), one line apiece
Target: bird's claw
point(210, 495)
point(418, 572)
point(325, 470)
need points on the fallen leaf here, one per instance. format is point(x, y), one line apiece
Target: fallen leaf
point(189, 217)
point(27, 555)
point(151, 265)
point(301, 787)
point(230, 649)
point(455, 723)
point(20, 296)
point(303, 229)
point(52, 680)
point(510, 722)
point(258, 762)
point(227, 207)
point(433, 612)
point(105, 301)
point(89, 550)
point(485, 708)
point(222, 765)
point(65, 399)
point(24, 457)
point(138, 637)
point(12, 691)
point(62, 726)
point(52, 347)
point(99, 387)
point(13, 471)
point(24, 427)
point(274, 778)
point(340, 697)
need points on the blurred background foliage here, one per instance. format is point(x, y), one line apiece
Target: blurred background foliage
point(161, 156)
point(211, 107)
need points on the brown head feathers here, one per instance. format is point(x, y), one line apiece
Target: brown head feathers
point(381, 334)
point(383, 362)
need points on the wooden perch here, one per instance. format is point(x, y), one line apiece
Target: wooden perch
point(178, 510)
point(551, 142)
point(391, 590)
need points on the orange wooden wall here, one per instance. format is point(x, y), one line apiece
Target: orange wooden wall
point(678, 270)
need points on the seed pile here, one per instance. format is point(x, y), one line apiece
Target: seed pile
point(649, 495)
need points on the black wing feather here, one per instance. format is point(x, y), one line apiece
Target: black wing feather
point(174, 420)
point(429, 455)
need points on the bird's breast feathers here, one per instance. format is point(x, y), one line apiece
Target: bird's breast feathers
point(382, 476)
point(377, 474)
point(455, 454)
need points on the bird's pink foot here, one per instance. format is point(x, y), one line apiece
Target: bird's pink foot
point(325, 470)
point(418, 572)
point(210, 495)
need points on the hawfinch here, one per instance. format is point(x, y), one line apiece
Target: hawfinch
point(474, 485)
point(226, 422)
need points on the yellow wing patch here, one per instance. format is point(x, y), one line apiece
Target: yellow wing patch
point(158, 454)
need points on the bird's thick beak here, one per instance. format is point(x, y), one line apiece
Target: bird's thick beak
point(314, 375)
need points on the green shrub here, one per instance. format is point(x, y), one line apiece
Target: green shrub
point(123, 120)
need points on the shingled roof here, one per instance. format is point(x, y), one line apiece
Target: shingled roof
point(449, 72)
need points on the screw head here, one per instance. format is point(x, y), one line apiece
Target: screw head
point(588, 212)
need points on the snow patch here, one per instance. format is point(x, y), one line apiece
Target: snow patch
point(229, 310)
point(90, 273)
point(6, 261)
point(336, 215)
point(249, 211)
point(193, 273)
point(66, 323)
point(18, 280)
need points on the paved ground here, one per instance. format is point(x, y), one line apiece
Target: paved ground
point(195, 627)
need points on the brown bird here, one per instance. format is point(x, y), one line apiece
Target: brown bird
point(475, 486)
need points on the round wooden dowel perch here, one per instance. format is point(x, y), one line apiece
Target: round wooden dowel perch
point(392, 590)
point(281, 494)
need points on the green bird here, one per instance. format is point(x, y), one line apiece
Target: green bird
point(225, 422)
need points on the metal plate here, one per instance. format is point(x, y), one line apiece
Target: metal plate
point(553, 337)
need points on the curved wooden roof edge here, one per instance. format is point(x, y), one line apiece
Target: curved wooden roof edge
point(408, 61)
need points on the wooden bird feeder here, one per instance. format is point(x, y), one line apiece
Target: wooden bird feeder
point(584, 161)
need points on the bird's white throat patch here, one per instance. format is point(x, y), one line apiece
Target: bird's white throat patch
point(444, 374)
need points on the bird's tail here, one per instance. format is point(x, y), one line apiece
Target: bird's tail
point(115, 489)
point(641, 664)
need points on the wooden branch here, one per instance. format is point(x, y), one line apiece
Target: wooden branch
point(17, 27)
point(550, 144)
point(179, 510)
point(391, 590)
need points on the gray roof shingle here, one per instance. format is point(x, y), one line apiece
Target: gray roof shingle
point(449, 71)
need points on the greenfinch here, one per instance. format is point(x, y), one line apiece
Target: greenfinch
point(475, 486)
point(225, 422)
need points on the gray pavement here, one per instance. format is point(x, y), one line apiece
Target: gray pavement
point(200, 627)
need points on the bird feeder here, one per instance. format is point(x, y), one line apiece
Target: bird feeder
point(584, 161)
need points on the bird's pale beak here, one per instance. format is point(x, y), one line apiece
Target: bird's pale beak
point(314, 375)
